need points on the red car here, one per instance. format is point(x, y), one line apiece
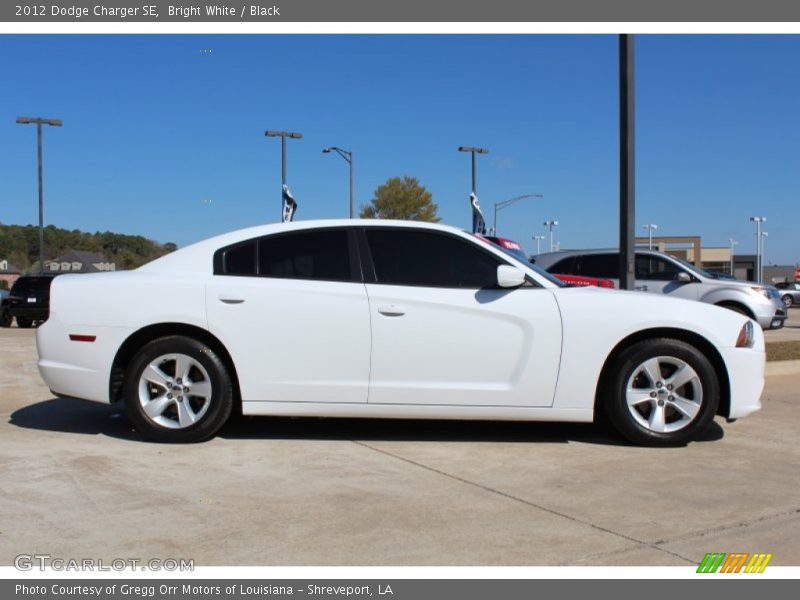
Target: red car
point(515, 249)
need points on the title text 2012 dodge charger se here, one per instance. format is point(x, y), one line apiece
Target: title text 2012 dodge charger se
point(388, 319)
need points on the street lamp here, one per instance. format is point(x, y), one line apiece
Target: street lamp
point(283, 135)
point(758, 221)
point(650, 227)
point(506, 204)
point(550, 225)
point(733, 242)
point(473, 150)
point(764, 235)
point(39, 121)
point(538, 239)
point(348, 156)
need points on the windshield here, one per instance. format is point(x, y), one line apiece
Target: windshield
point(694, 268)
point(520, 256)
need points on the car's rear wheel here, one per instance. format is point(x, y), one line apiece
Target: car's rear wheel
point(5, 319)
point(661, 392)
point(24, 323)
point(177, 389)
point(788, 301)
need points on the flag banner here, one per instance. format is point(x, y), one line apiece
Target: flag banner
point(478, 224)
point(289, 204)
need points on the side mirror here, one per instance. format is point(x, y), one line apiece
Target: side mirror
point(684, 277)
point(509, 277)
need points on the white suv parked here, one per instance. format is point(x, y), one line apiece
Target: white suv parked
point(661, 273)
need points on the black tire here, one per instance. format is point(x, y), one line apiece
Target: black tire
point(219, 405)
point(788, 301)
point(24, 323)
point(5, 319)
point(629, 363)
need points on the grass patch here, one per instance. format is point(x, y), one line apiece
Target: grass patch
point(783, 351)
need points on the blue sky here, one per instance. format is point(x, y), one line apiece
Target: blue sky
point(165, 140)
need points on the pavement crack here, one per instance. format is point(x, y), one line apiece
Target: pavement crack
point(508, 496)
point(722, 528)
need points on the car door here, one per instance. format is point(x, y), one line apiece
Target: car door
point(657, 275)
point(292, 310)
point(444, 334)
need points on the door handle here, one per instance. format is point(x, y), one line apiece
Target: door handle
point(391, 310)
point(641, 288)
point(231, 300)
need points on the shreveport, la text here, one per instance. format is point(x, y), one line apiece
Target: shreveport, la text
point(150, 590)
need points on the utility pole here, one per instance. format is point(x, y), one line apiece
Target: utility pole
point(39, 122)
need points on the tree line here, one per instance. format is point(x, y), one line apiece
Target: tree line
point(19, 244)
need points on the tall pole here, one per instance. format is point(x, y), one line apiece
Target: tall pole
point(474, 150)
point(283, 161)
point(627, 154)
point(474, 181)
point(650, 227)
point(550, 225)
point(41, 198)
point(764, 235)
point(39, 121)
point(352, 199)
point(733, 242)
point(538, 239)
point(758, 221)
point(348, 156)
point(283, 135)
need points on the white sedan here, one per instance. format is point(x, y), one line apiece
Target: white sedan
point(375, 318)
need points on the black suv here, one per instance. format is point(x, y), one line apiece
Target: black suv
point(29, 299)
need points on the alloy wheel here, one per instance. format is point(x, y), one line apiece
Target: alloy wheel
point(664, 394)
point(175, 391)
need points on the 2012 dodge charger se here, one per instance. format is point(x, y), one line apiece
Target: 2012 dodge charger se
point(388, 319)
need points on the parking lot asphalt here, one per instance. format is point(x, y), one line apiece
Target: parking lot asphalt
point(790, 332)
point(77, 482)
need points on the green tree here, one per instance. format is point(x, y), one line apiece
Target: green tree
point(401, 198)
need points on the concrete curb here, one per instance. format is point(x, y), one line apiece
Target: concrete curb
point(783, 367)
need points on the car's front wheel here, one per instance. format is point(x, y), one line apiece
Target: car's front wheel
point(177, 389)
point(661, 392)
point(788, 301)
point(24, 322)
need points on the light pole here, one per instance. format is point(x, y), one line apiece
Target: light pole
point(538, 239)
point(283, 135)
point(764, 235)
point(348, 156)
point(473, 150)
point(733, 242)
point(39, 121)
point(550, 225)
point(758, 221)
point(650, 227)
point(506, 203)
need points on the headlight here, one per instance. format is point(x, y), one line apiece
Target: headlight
point(746, 336)
point(757, 289)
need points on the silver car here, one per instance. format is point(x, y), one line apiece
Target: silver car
point(661, 273)
point(790, 293)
